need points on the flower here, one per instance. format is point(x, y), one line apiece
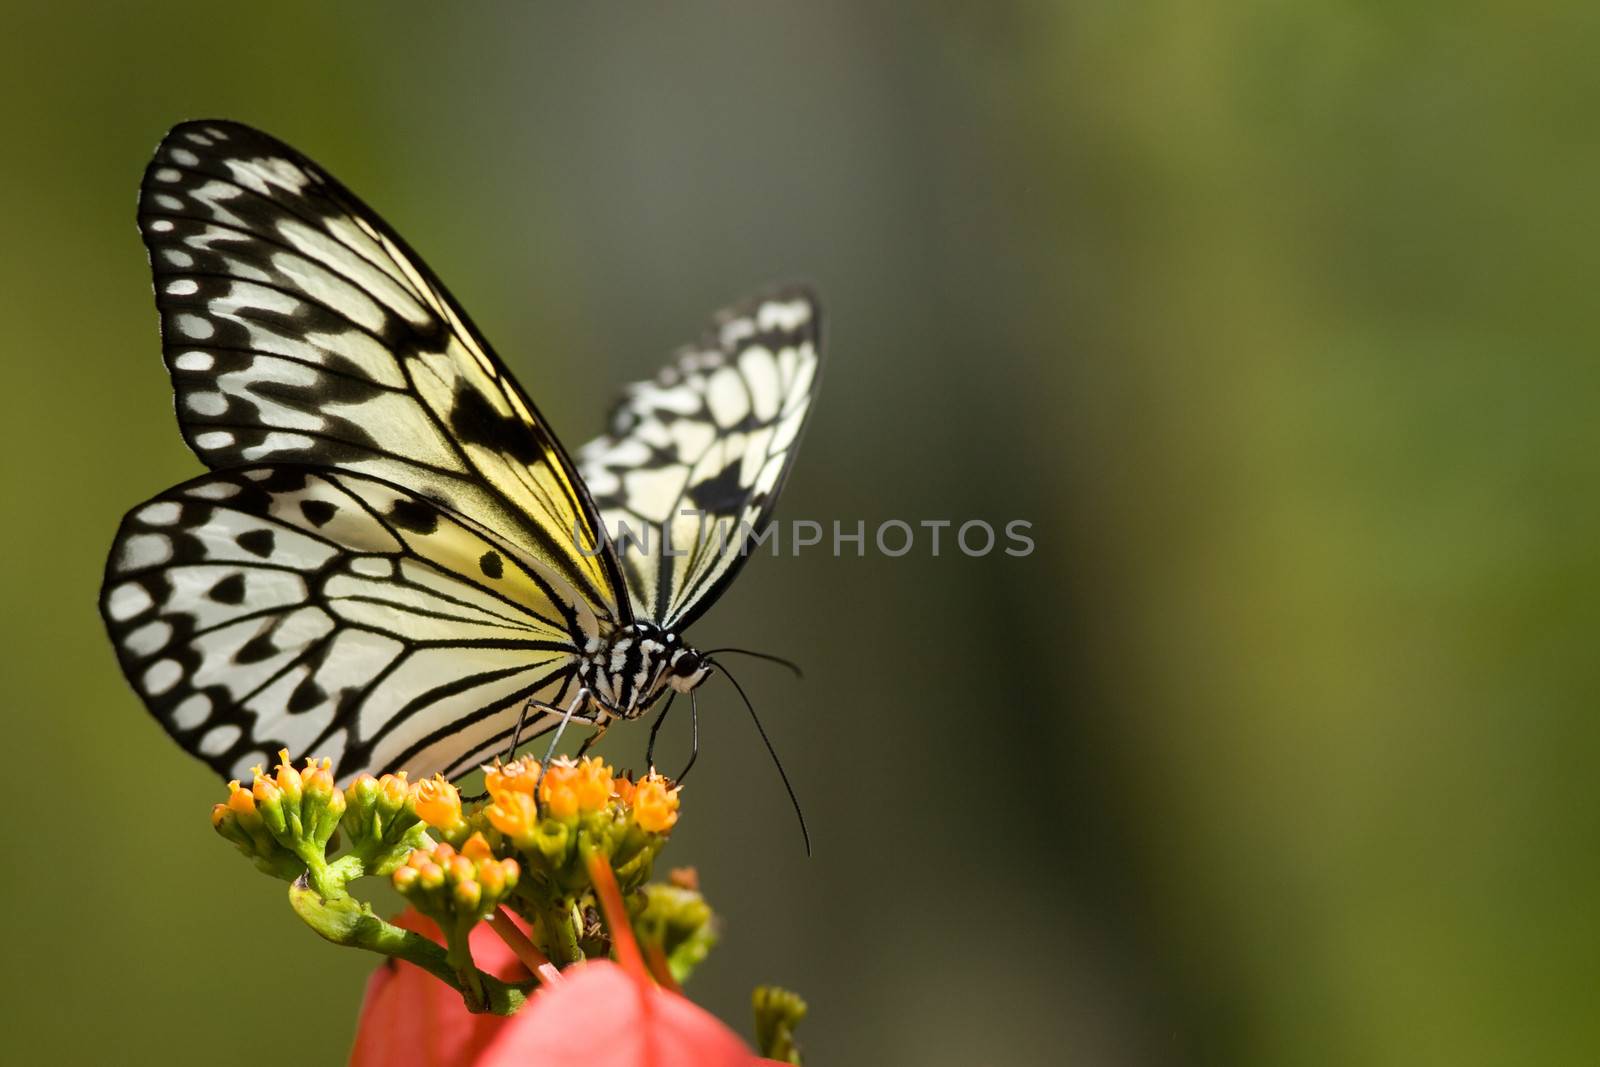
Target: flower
point(601, 1015)
point(438, 803)
point(655, 805)
point(408, 1016)
point(453, 887)
point(509, 889)
point(285, 821)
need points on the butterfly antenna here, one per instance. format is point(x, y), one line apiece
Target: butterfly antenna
point(769, 657)
point(776, 762)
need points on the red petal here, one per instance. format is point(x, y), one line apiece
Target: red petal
point(409, 1016)
point(600, 1017)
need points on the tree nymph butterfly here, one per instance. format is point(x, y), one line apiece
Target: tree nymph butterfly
point(393, 562)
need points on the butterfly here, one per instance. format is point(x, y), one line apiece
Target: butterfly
point(393, 561)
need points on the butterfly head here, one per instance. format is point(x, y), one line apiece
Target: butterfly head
point(639, 663)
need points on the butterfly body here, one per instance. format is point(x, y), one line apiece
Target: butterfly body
point(390, 561)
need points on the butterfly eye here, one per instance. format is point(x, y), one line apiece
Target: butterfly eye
point(686, 664)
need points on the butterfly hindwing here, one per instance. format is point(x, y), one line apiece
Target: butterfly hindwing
point(331, 612)
point(695, 458)
point(299, 328)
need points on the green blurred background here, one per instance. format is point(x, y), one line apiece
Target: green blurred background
point(1276, 320)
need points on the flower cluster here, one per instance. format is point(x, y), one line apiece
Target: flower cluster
point(528, 848)
point(550, 868)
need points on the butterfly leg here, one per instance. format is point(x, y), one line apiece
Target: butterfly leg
point(578, 701)
point(694, 738)
point(655, 728)
point(516, 735)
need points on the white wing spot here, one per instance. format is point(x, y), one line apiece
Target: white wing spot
point(178, 257)
point(207, 403)
point(161, 513)
point(183, 287)
point(725, 396)
point(195, 326)
point(160, 225)
point(219, 740)
point(215, 490)
point(788, 317)
point(184, 157)
point(734, 331)
point(167, 174)
point(193, 711)
point(148, 639)
point(171, 203)
point(278, 442)
point(196, 138)
point(128, 600)
point(194, 361)
point(162, 676)
point(214, 439)
point(145, 550)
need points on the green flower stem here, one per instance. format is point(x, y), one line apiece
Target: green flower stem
point(317, 872)
point(346, 921)
point(344, 870)
point(560, 934)
point(380, 856)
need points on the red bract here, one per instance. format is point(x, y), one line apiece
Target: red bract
point(408, 1016)
point(600, 1016)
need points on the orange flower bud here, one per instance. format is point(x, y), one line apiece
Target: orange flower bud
point(519, 775)
point(438, 803)
point(559, 793)
point(288, 778)
point(513, 813)
point(655, 807)
point(592, 784)
point(266, 791)
point(394, 789)
point(623, 789)
point(240, 802)
point(467, 895)
point(476, 848)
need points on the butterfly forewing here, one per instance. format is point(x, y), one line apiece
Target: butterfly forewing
point(333, 613)
point(299, 328)
point(696, 456)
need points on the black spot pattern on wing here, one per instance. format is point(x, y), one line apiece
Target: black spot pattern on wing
point(332, 642)
point(258, 648)
point(715, 432)
point(474, 421)
point(257, 542)
point(414, 515)
point(229, 590)
point(299, 328)
point(720, 494)
point(319, 512)
point(307, 695)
